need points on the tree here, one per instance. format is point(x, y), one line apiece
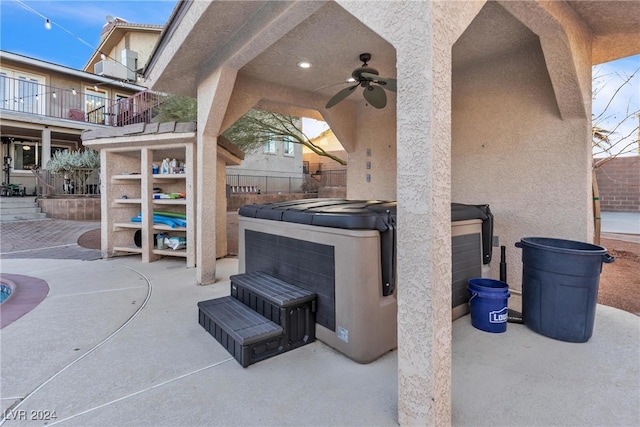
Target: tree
point(614, 131)
point(621, 138)
point(257, 127)
point(177, 108)
point(251, 131)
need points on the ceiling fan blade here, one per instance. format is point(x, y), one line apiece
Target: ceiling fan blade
point(331, 85)
point(340, 96)
point(386, 82)
point(375, 96)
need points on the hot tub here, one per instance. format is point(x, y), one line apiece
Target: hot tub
point(345, 252)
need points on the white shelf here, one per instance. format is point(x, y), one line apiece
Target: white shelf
point(128, 249)
point(128, 201)
point(121, 162)
point(134, 225)
point(162, 176)
point(169, 202)
point(167, 228)
point(171, 252)
point(127, 177)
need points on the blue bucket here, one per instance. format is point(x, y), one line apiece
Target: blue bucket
point(488, 304)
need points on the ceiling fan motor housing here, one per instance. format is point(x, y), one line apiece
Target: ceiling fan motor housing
point(357, 74)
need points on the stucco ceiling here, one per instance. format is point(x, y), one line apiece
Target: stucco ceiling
point(332, 39)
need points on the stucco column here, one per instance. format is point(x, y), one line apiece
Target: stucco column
point(424, 205)
point(424, 224)
point(46, 147)
point(214, 91)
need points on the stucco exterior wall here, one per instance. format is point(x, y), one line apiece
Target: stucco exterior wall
point(270, 164)
point(512, 151)
point(375, 144)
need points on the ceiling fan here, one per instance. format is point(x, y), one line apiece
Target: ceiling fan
point(366, 77)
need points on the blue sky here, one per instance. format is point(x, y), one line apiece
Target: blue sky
point(23, 31)
point(76, 27)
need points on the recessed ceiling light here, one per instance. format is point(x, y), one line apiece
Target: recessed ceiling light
point(304, 64)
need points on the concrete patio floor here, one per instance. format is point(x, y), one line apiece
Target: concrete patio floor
point(117, 343)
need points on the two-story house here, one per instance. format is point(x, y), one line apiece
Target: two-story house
point(44, 108)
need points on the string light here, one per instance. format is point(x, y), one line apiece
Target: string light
point(48, 24)
point(54, 95)
point(73, 91)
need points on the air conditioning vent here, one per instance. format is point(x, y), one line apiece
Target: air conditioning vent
point(110, 69)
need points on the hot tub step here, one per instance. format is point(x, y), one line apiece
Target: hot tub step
point(288, 305)
point(247, 335)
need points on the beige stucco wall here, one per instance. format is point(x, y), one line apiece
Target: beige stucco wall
point(140, 42)
point(513, 151)
point(375, 134)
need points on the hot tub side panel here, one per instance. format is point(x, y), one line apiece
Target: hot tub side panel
point(365, 321)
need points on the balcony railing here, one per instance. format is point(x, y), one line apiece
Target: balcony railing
point(29, 97)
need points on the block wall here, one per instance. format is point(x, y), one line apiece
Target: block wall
point(619, 184)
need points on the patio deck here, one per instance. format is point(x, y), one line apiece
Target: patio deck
point(117, 342)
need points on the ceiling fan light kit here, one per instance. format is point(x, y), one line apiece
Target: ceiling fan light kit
point(372, 83)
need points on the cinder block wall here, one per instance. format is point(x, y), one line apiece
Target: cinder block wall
point(619, 184)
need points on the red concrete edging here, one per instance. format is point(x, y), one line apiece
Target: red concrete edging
point(26, 293)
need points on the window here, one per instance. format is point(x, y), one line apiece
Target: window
point(22, 92)
point(270, 145)
point(96, 106)
point(26, 155)
point(289, 146)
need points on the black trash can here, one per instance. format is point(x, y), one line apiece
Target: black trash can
point(560, 286)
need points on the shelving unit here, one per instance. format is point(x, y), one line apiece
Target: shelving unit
point(128, 190)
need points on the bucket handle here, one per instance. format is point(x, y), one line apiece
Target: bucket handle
point(473, 295)
point(606, 258)
point(518, 244)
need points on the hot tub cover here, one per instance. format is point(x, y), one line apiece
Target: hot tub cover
point(336, 213)
point(361, 215)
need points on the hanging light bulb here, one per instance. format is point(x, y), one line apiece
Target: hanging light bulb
point(54, 95)
point(122, 83)
point(47, 24)
point(95, 87)
point(73, 91)
point(103, 56)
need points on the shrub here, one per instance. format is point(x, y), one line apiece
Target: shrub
point(65, 161)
